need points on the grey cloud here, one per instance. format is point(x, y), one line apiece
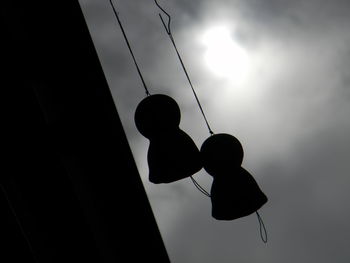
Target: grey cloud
point(286, 19)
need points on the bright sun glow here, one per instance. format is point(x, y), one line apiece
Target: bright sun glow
point(223, 55)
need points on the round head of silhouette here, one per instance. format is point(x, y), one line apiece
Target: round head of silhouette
point(221, 154)
point(157, 114)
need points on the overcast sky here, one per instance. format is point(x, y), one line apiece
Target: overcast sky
point(282, 87)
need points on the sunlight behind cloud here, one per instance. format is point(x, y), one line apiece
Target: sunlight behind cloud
point(223, 56)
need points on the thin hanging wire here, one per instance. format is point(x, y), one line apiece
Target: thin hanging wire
point(19, 223)
point(168, 30)
point(130, 49)
point(199, 187)
point(262, 228)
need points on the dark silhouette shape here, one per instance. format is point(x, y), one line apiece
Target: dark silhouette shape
point(172, 154)
point(234, 191)
point(72, 188)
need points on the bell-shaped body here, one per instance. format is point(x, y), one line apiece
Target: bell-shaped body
point(236, 196)
point(234, 191)
point(172, 154)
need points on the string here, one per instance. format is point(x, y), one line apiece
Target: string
point(19, 223)
point(262, 228)
point(199, 187)
point(168, 30)
point(129, 47)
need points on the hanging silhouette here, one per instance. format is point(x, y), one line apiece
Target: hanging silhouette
point(172, 154)
point(234, 192)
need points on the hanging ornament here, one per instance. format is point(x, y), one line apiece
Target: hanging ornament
point(172, 154)
point(234, 192)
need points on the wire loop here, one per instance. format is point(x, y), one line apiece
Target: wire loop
point(199, 187)
point(262, 228)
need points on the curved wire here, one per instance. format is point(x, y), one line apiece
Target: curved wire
point(199, 187)
point(262, 228)
point(168, 30)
